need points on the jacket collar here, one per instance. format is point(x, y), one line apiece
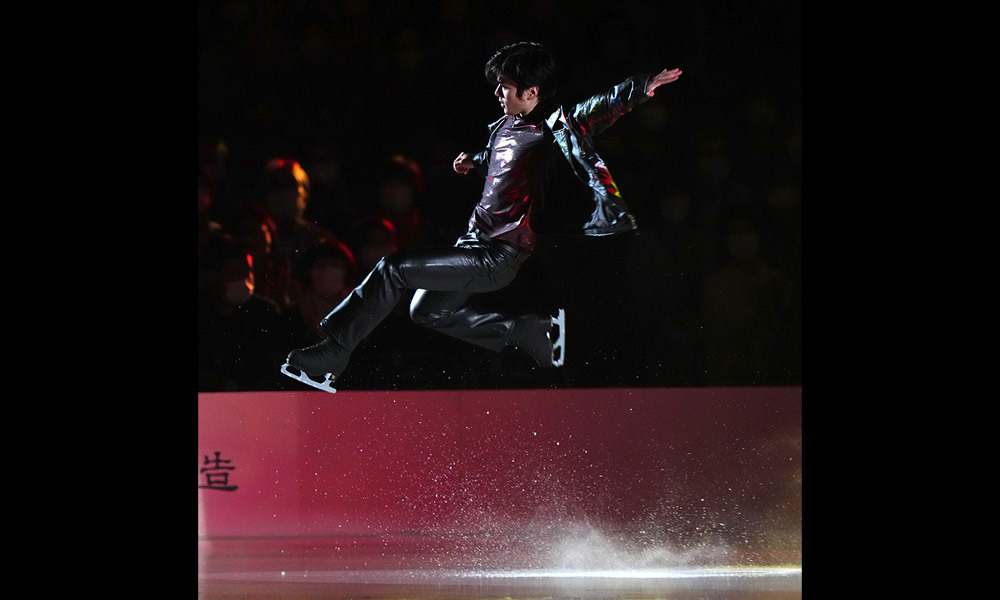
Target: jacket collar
point(535, 117)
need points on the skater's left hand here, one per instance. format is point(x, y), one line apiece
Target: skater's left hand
point(665, 76)
point(463, 163)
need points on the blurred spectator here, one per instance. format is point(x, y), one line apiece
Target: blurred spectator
point(285, 196)
point(746, 307)
point(399, 191)
point(372, 239)
point(237, 329)
point(331, 205)
point(257, 237)
point(216, 175)
point(324, 275)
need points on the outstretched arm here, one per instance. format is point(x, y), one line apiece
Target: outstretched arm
point(663, 77)
point(597, 113)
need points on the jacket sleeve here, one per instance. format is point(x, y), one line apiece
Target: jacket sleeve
point(481, 159)
point(597, 113)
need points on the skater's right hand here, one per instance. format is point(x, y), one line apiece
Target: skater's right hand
point(663, 77)
point(463, 163)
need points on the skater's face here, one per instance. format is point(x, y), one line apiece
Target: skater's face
point(511, 103)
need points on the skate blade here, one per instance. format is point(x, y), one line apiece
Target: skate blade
point(559, 344)
point(326, 385)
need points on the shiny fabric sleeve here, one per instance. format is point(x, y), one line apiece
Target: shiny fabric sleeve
point(481, 160)
point(597, 113)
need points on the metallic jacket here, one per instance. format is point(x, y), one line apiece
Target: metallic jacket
point(580, 195)
point(517, 161)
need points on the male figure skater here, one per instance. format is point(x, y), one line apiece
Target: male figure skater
point(533, 139)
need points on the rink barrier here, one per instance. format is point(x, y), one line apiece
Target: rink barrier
point(310, 463)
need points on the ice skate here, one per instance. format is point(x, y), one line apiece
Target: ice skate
point(318, 365)
point(557, 336)
point(548, 350)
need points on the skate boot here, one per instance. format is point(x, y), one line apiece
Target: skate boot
point(548, 350)
point(317, 365)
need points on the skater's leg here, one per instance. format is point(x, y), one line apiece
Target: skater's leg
point(451, 313)
point(461, 270)
point(354, 318)
point(468, 267)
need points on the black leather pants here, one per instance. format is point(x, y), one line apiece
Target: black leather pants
point(445, 280)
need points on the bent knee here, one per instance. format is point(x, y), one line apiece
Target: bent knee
point(418, 316)
point(424, 315)
point(425, 319)
point(387, 264)
point(418, 313)
point(392, 268)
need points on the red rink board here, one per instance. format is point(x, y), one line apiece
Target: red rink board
point(726, 461)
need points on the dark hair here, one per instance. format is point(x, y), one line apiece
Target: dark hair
point(527, 64)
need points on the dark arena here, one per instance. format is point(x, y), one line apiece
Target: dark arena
point(499, 301)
